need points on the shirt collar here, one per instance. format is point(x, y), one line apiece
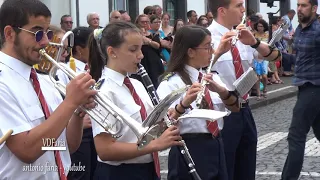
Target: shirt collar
point(193, 73)
point(215, 26)
point(114, 76)
point(16, 65)
point(79, 64)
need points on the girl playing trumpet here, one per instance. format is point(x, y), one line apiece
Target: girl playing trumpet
point(191, 51)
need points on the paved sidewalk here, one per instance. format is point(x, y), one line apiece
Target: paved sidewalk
point(276, 92)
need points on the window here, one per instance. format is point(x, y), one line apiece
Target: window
point(118, 5)
point(170, 8)
point(176, 8)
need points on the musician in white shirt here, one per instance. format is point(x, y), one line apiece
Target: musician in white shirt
point(192, 50)
point(239, 132)
point(120, 43)
point(24, 31)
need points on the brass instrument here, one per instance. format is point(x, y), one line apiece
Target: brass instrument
point(45, 65)
point(236, 38)
point(104, 106)
point(6, 136)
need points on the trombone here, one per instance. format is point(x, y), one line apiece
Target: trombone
point(104, 106)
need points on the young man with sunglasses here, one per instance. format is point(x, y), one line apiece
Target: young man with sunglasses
point(239, 132)
point(30, 105)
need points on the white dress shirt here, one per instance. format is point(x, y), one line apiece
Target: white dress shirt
point(21, 111)
point(119, 94)
point(192, 125)
point(79, 69)
point(225, 65)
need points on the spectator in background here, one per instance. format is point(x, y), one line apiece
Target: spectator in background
point(114, 16)
point(192, 17)
point(179, 23)
point(158, 10)
point(165, 45)
point(203, 21)
point(252, 21)
point(261, 65)
point(125, 16)
point(289, 33)
point(149, 11)
point(259, 15)
point(93, 20)
point(209, 16)
point(166, 28)
point(66, 22)
point(151, 51)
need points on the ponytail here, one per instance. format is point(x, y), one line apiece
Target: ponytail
point(96, 62)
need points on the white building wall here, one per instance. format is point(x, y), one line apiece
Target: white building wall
point(58, 8)
point(198, 5)
point(88, 6)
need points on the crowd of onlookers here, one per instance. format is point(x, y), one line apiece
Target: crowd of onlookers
point(159, 33)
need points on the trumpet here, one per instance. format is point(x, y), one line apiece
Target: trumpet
point(236, 38)
point(104, 106)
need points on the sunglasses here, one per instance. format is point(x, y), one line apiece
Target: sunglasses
point(39, 34)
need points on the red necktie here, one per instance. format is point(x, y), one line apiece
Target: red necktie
point(212, 126)
point(36, 85)
point(143, 114)
point(237, 65)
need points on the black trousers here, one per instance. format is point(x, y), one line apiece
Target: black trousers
point(239, 136)
point(125, 172)
point(86, 156)
point(306, 114)
point(208, 156)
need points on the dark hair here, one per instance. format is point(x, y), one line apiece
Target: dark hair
point(81, 37)
point(122, 11)
point(313, 2)
point(175, 26)
point(202, 17)
point(149, 9)
point(165, 14)
point(291, 11)
point(264, 24)
point(187, 37)
point(189, 13)
point(214, 5)
point(64, 16)
point(16, 13)
point(254, 18)
point(112, 35)
point(153, 17)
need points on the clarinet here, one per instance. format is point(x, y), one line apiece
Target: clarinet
point(155, 100)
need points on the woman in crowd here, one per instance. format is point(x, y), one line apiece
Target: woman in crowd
point(166, 28)
point(179, 23)
point(261, 65)
point(151, 50)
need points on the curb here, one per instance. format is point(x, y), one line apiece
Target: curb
point(279, 96)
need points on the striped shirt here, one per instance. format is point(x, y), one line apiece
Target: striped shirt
point(307, 47)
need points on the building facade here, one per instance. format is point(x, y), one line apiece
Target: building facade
point(79, 9)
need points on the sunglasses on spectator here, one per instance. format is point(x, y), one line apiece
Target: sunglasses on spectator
point(39, 34)
point(151, 13)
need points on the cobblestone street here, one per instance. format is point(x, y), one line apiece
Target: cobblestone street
point(272, 123)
